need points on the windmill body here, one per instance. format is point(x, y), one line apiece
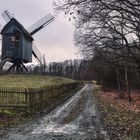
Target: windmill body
point(17, 42)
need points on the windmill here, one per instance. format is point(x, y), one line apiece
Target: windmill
point(17, 42)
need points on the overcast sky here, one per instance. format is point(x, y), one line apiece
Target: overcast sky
point(55, 40)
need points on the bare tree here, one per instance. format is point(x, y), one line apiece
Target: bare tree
point(99, 22)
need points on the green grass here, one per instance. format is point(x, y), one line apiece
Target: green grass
point(31, 81)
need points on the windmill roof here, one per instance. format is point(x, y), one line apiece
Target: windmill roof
point(19, 26)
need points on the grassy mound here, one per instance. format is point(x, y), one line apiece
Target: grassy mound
point(31, 81)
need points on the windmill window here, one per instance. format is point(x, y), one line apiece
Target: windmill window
point(17, 36)
point(13, 38)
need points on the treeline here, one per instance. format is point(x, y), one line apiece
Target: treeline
point(75, 69)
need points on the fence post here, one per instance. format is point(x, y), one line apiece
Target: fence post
point(26, 97)
point(30, 99)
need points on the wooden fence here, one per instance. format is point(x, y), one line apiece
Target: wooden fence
point(32, 98)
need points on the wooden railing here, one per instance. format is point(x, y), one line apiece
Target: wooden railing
point(32, 98)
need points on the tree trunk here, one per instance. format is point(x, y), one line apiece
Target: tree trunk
point(127, 84)
point(118, 83)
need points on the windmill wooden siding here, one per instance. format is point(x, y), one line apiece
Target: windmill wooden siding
point(16, 42)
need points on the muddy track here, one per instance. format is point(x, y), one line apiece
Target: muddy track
point(77, 118)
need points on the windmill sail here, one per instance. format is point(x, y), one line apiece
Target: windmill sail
point(7, 16)
point(37, 54)
point(40, 24)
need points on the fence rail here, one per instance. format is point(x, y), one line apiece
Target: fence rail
point(31, 98)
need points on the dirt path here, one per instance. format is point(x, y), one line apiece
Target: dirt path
point(76, 119)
